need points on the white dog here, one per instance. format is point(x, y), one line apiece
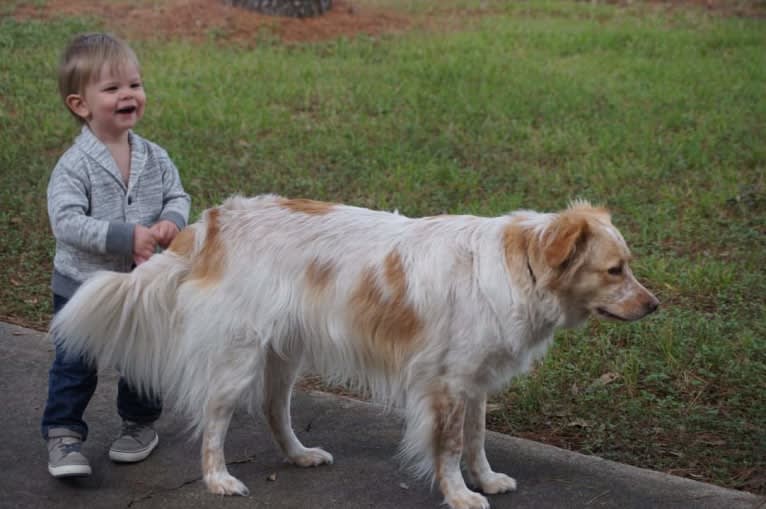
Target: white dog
point(425, 314)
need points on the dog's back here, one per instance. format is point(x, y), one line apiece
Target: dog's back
point(367, 296)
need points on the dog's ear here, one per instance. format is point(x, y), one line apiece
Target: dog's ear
point(563, 238)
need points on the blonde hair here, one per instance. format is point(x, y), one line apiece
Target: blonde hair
point(86, 56)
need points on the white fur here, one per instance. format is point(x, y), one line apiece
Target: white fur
point(242, 338)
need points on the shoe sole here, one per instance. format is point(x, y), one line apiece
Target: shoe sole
point(135, 456)
point(65, 471)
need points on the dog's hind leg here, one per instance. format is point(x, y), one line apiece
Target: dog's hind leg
point(476, 462)
point(223, 396)
point(278, 380)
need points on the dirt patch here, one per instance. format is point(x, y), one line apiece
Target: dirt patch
point(213, 19)
point(206, 19)
point(732, 8)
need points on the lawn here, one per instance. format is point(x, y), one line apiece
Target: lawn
point(481, 108)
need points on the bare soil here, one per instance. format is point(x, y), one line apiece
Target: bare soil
point(205, 19)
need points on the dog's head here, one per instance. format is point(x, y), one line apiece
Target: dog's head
point(581, 257)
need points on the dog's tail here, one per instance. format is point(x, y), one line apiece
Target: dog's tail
point(126, 321)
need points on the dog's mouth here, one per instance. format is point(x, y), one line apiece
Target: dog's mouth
point(127, 110)
point(610, 316)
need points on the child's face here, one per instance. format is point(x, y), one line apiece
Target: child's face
point(112, 103)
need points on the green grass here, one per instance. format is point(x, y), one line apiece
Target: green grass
point(659, 115)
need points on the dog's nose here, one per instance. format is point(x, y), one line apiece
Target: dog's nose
point(652, 305)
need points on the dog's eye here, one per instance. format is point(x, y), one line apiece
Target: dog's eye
point(615, 271)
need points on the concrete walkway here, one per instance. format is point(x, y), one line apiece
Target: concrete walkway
point(362, 439)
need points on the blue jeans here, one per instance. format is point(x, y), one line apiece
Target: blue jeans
point(71, 384)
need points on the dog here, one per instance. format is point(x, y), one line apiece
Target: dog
point(428, 315)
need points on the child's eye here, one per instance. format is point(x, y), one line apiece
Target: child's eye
point(136, 85)
point(110, 89)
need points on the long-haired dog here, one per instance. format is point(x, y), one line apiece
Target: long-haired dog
point(427, 314)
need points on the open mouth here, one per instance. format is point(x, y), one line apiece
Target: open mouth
point(611, 316)
point(127, 110)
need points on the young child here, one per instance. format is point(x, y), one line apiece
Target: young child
point(113, 197)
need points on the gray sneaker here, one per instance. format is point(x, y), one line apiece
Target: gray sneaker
point(65, 458)
point(135, 443)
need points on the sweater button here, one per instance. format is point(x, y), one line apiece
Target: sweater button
point(130, 200)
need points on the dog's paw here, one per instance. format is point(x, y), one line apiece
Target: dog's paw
point(467, 499)
point(310, 457)
point(493, 483)
point(226, 484)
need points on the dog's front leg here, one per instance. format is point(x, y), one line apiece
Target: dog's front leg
point(480, 473)
point(214, 472)
point(278, 385)
point(449, 416)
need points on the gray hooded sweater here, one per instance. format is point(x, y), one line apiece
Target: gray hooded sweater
point(93, 214)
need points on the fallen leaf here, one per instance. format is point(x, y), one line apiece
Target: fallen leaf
point(272, 477)
point(575, 390)
point(603, 380)
point(579, 423)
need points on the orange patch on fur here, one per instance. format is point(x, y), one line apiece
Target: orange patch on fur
point(384, 320)
point(449, 418)
point(304, 206)
point(183, 243)
point(319, 274)
point(211, 462)
point(523, 256)
point(563, 238)
point(515, 242)
point(394, 272)
point(212, 452)
point(208, 266)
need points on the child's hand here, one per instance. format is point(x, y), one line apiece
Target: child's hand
point(144, 244)
point(164, 232)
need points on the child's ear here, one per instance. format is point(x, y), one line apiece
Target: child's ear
point(78, 106)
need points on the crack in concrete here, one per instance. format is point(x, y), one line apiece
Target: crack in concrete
point(249, 459)
point(184, 484)
point(152, 493)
